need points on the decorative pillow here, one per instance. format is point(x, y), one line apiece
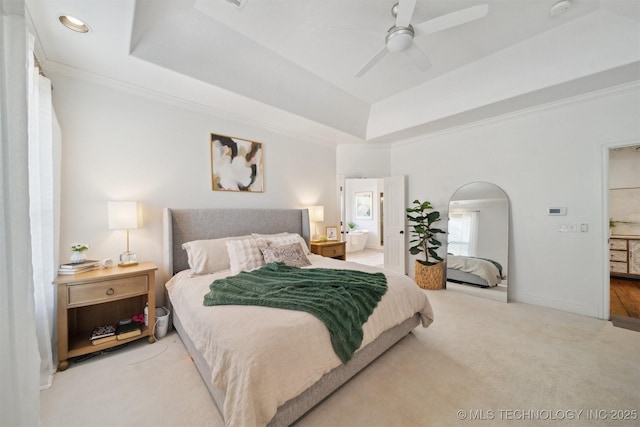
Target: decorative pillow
point(209, 256)
point(283, 239)
point(291, 254)
point(245, 255)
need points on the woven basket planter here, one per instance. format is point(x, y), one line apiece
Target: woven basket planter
point(429, 276)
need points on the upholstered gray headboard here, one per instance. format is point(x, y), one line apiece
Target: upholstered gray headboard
point(185, 225)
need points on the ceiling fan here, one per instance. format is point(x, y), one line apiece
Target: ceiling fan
point(400, 37)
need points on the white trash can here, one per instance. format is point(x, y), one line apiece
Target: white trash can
point(162, 322)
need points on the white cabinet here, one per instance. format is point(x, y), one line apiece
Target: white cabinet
point(634, 257)
point(624, 256)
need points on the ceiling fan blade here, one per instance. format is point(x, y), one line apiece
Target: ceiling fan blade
point(373, 61)
point(418, 57)
point(405, 12)
point(452, 19)
point(354, 30)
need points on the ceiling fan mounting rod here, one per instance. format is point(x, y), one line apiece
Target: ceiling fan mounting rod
point(394, 10)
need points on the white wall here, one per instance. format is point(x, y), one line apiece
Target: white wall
point(117, 145)
point(624, 190)
point(363, 160)
point(624, 167)
point(551, 156)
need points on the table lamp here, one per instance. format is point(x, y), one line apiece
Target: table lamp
point(125, 216)
point(316, 215)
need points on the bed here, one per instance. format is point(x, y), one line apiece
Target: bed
point(262, 365)
point(474, 271)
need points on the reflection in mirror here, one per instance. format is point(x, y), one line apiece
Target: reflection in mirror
point(478, 241)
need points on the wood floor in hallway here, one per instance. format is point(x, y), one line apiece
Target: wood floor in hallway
point(625, 297)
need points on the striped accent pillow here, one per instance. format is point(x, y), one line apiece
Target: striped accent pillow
point(245, 255)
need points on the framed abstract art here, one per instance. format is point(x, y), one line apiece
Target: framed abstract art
point(364, 205)
point(236, 164)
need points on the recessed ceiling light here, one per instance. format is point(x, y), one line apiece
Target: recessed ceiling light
point(73, 23)
point(560, 7)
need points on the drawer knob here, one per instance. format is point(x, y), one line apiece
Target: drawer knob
point(110, 291)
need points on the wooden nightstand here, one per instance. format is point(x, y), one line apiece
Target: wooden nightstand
point(102, 297)
point(331, 249)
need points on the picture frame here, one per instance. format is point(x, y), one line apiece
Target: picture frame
point(331, 232)
point(364, 205)
point(236, 164)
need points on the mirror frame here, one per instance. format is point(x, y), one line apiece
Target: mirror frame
point(492, 192)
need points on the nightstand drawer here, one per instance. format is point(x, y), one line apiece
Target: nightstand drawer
point(83, 294)
point(333, 251)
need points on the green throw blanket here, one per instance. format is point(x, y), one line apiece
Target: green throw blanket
point(342, 299)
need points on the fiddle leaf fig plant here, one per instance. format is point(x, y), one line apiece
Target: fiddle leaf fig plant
point(422, 216)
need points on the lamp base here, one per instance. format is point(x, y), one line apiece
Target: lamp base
point(128, 259)
point(129, 264)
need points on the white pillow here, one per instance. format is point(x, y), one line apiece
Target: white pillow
point(291, 254)
point(209, 256)
point(281, 239)
point(246, 255)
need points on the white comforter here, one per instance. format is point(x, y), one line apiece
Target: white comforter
point(485, 269)
point(262, 357)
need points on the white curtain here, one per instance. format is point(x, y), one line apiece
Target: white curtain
point(463, 233)
point(19, 358)
point(44, 154)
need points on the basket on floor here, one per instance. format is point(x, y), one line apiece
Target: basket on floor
point(429, 276)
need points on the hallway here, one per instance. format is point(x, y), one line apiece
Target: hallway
point(625, 297)
point(625, 303)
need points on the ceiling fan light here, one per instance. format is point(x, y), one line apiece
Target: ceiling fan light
point(399, 39)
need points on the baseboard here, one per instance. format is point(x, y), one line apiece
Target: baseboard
point(557, 304)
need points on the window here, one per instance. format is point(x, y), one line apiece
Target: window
point(463, 233)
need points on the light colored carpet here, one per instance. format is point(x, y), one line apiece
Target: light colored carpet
point(372, 257)
point(500, 364)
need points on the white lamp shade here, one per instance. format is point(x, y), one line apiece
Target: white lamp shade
point(124, 216)
point(316, 213)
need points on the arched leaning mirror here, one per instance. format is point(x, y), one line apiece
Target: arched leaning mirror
point(478, 241)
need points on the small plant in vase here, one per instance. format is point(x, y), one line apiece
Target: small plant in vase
point(351, 225)
point(422, 216)
point(79, 252)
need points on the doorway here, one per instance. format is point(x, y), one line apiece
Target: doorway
point(373, 220)
point(624, 235)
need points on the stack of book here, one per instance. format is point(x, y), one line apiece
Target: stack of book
point(102, 334)
point(80, 267)
point(128, 330)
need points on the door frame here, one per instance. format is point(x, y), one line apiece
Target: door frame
point(341, 193)
point(605, 309)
